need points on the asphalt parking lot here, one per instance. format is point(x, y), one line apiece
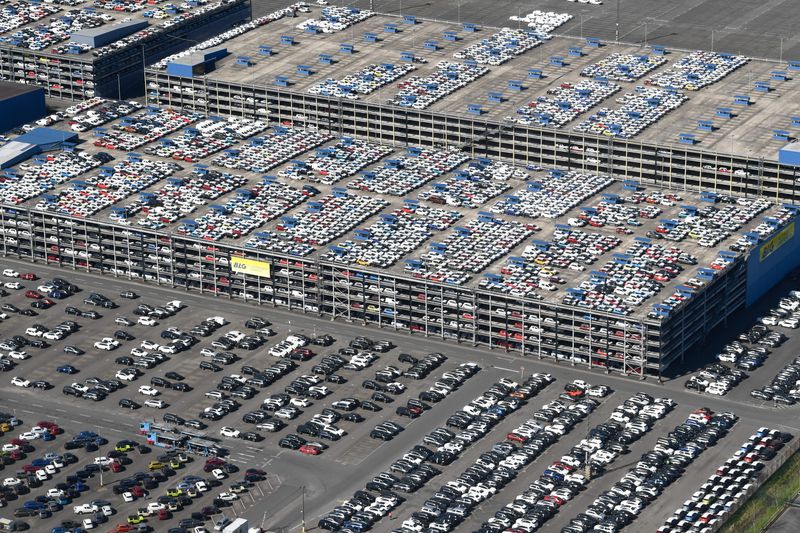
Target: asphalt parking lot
point(327, 479)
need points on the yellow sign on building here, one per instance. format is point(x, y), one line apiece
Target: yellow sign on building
point(251, 267)
point(778, 240)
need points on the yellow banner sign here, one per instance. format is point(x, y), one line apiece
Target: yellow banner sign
point(778, 240)
point(251, 267)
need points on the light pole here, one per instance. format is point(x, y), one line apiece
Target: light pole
point(616, 33)
point(712, 39)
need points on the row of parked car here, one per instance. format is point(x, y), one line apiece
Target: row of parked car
point(205, 138)
point(177, 198)
point(280, 145)
point(86, 197)
point(760, 341)
point(729, 485)
point(553, 195)
point(333, 163)
point(570, 249)
point(289, 11)
point(503, 46)
point(716, 379)
point(697, 70)
point(785, 386)
point(542, 21)
point(416, 466)
point(447, 77)
point(23, 13)
point(623, 67)
point(100, 112)
point(394, 236)
point(250, 209)
point(638, 110)
point(334, 19)
point(366, 80)
point(469, 249)
point(619, 287)
point(43, 36)
point(474, 185)
point(562, 480)
point(399, 176)
point(617, 507)
point(564, 103)
point(44, 175)
point(145, 127)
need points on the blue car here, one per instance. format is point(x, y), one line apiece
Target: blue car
point(67, 369)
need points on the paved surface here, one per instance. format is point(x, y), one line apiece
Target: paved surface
point(683, 25)
point(789, 521)
point(349, 463)
point(739, 25)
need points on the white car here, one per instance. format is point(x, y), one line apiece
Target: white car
point(147, 390)
point(85, 508)
point(228, 496)
point(147, 321)
point(149, 345)
point(20, 382)
point(229, 432)
point(12, 481)
point(128, 497)
point(29, 435)
point(12, 285)
point(125, 376)
point(10, 273)
point(13, 354)
point(155, 404)
point(218, 473)
point(300, 402)
point(88, 523)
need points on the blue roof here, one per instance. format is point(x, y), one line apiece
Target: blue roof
point(46, 136)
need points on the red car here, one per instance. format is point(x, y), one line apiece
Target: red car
point(33, 294)
point(309, 450)
point(164, 514)
point(28, 276)
point(137, 491)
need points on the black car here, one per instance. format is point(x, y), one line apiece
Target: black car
point(74, 350)
point(41, 384)
point(381, 397)
point(371, 406)
point(128, 404)
point(123, 335)
point(174, 375)
point(336, 378)
point(206, 365)
point(181, 387)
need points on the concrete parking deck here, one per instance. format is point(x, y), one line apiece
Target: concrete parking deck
point(750, 131)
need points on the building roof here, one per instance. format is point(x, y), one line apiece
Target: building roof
point(10, 89)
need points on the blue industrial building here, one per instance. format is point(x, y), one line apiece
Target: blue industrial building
point(197, 64)
point(34, 142)
point(20, 104)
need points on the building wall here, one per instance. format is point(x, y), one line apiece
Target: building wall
point(773, 260)
point(21, 109)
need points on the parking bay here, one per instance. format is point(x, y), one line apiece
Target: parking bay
point(322, 476)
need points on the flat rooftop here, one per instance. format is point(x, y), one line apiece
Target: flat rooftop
point(10, 89)
point(747, 130)
point(46, 26)
point(449, 218)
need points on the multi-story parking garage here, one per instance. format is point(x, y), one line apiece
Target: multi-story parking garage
point(91, 51)
point(644, 338)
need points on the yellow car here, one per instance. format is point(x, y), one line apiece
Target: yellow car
point(135, 519)
point(5, 427)
point(174, 493)
point(123, 447)
point(174, 464)
point(156, 465)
